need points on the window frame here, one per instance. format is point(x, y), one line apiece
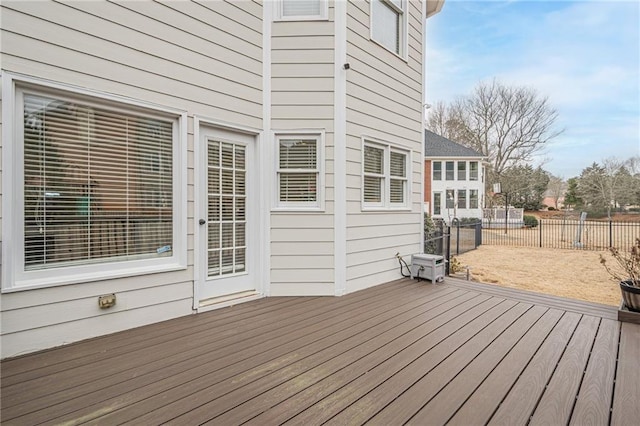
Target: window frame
point(403, 28)
point(450, 199)
point(461, 171)
point(15, 277)
point(386, 203)
point(471, 171)
point(446, 170)
point(438, 205)
point(439, 177)
point(279, 16)
point(319, 203)
point(459, 198)
point(472, 199)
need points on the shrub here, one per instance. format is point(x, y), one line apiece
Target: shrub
point(455, 265)
point(530, 221)
point(551, 209)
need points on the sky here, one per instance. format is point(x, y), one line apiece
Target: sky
point(583, 55)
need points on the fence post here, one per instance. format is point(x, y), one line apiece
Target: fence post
point(610, 233)
point(540, 232)
point(447, 251)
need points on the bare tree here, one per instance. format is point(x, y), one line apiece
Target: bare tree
point(508, 124)
point(609, 185)
point(556, 189)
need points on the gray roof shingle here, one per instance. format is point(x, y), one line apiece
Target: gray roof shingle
point(439, 146)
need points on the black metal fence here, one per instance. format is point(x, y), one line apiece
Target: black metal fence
point(566, 234)
point(465, 236)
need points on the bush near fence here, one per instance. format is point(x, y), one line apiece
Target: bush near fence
point(567, 234)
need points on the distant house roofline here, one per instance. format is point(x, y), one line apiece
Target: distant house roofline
point(436, 146)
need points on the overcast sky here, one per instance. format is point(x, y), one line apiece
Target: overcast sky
point(584, 55)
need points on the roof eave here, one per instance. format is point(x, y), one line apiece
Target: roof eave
point(434, 6)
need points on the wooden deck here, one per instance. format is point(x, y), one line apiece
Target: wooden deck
point(404, 352)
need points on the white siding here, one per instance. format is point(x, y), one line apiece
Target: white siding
point(384, 101)
point(302, 58)
point(202, 58)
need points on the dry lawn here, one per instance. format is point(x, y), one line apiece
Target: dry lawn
point(575, 274)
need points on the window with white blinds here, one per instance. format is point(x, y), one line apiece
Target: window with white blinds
point(398, 179)
point(388, 24)
point(97, 184)
point(301, 9)
point(374, 176)
point(385, 172)
point(299, 171)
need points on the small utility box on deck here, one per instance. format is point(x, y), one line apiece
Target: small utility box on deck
point(427, 266)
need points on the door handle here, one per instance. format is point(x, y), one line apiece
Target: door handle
point(202, 222)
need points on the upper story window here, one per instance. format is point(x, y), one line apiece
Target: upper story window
point(98, 182)
point(301, 10)
point(449, 170)
point(462, 170)
point(473, 170)
point(299, 174)
point(437, 170)
point(385, 176)
point(389, 24)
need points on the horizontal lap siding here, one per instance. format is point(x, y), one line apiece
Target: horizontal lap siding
point(302, 97)
point(204, 58)
point(384, 101)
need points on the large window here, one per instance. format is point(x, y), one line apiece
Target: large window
point(300, 10)
point(98, 185)
point(450, 175)
point(299, 171)
point(462, 170)
point(385, 176)
point(437, 170)
point(388, 24)
point(473, 170)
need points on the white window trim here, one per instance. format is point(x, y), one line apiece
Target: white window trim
point(278, 13)
point(386, 204)
point(14, 276)
point(404, 29)
point(312, 206)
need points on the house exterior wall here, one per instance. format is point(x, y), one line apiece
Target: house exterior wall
point(302, 79)
point(200, 58)
point(441, 186)
point(384, 103)
point(226, 64)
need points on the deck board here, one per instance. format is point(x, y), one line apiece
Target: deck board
point(482, 401)
point(626, 408)
point(594, 399)
point(558, 400)
point(406, 351)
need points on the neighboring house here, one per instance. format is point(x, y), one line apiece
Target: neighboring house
point(453, 179)
point(184, 156)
